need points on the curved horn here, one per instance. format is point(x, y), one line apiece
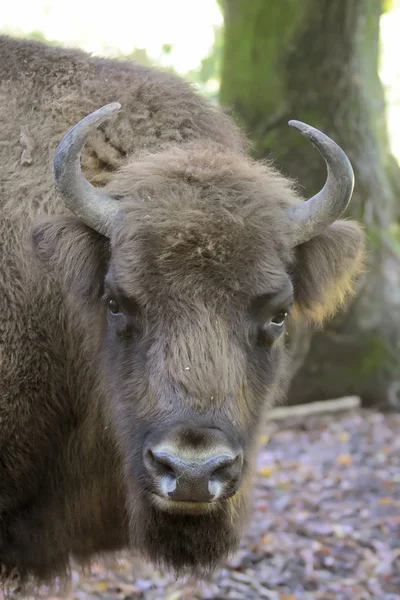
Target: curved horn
point(311, 217)
point(91, 204)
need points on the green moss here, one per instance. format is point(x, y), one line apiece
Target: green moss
point(253, 78)
point(393, 233)
point(389, 237)
point(376, 357)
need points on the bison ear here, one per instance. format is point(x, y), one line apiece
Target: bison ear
point(76, 254)
point(325, 270)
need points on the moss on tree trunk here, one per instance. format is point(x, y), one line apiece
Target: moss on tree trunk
point(317, 61)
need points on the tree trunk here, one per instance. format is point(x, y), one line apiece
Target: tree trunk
point(316, 61)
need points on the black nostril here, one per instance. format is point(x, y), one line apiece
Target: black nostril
point(223, 470)
point(161, 461)
point(160, 464)
point(223, 462)
point(224, 477)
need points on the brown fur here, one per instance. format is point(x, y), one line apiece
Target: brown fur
point(200, 236)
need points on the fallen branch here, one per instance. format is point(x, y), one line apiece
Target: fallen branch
point(327, 406)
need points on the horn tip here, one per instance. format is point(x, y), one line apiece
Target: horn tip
point(298, 125)
point(111, 108)
point(105, 111)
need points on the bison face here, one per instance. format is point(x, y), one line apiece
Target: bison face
point(183, 278)
point(194, 314)
point(183, 318)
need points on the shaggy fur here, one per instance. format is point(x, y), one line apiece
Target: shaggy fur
point(199, 261)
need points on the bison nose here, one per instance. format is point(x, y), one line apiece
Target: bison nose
point(201, 478)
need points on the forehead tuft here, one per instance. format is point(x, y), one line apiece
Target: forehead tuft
point(197, 226)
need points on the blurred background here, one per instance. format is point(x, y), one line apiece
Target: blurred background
point(326, 523)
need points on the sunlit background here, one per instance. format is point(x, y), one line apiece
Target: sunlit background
point(174, 33)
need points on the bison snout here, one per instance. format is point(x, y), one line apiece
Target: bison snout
point(205, 476)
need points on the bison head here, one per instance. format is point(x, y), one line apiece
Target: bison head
point(190, 263)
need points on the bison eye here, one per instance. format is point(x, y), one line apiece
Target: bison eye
point(113, 307)
point(279, 318)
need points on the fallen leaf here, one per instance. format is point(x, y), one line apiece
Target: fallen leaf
point(267, 470)
point(344, 459)
point(175, 596)
point(101, 585)
point(264, 439)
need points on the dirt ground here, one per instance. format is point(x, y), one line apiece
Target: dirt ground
point(325, 524)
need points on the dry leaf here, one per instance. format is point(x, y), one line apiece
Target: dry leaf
point(344, 459)
point(264, 439)
point(267, 470)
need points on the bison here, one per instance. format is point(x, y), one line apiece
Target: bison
point(144, 300)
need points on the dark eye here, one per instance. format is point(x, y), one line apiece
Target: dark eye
point(113, 306)
point(279, 318)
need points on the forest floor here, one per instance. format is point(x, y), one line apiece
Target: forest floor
point(325, 523)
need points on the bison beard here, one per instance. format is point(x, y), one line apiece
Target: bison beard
point(186, 543)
